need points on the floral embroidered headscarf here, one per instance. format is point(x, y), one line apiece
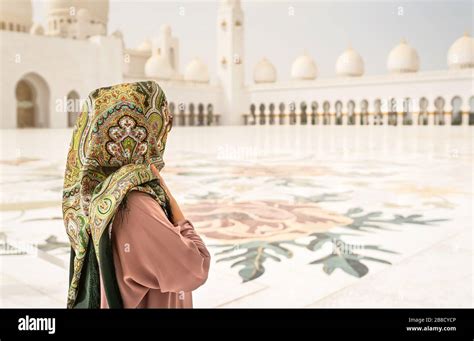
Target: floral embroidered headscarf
point(120, 132)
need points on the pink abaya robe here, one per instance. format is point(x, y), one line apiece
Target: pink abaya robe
point(157, 264)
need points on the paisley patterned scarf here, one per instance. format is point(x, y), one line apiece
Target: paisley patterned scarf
point(120, 132)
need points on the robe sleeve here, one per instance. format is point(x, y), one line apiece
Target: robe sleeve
point(156, 254)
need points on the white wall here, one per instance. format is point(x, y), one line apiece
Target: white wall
point(445, 83)
point(64, 64)
point(188, 92)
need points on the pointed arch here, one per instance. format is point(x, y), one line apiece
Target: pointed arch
point(33, 101)
point(73, 107)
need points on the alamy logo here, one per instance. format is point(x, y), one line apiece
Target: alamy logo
point(37, 323)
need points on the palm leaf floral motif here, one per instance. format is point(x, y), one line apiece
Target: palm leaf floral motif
point(343, 255)
point(373, 220)
point(252, 233)
point(254, 256)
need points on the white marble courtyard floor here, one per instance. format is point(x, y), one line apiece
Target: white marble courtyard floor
point(294, 216)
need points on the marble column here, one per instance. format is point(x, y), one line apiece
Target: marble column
point(415, 116)
point(447, 118)
point(331, 118)
point(345, 119)
point(431, 118)
point(371, 119)
point(400, 118)
point(465, 118)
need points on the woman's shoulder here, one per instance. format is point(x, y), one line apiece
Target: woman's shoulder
point(140, 203)
point(139, 197)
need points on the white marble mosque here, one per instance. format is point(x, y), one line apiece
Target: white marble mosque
point(91, 57)
point(353, 191)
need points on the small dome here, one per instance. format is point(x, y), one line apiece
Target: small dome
point(304, 67)
point(264, 72)
point(16, 12)
point(165, 29)
point(119, 35)
point(350, 64)
point(37, 30)
point(461, 53)
point(196, 71)
point(403, 58)
point(158, 67)
point(145, 46)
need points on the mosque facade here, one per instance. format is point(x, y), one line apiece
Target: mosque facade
point(46, 71)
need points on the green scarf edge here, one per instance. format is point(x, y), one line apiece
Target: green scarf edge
point(88, 296)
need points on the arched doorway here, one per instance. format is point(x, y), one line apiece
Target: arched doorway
point(304, 115)
point(182, 115)
point(252, 114)
point(200, 114)
point(73, 108)
point(210, 114)
point(25, 110)
point(378, 115)
point(32, 95)
point(456, 118)
point(392, 114)
point(407, 111)
point(261, 114)
point(423, 112)
point(314, 112)
point(326, 118)
point(351, 113)
point(338, 113)
point(439, 111)
point(281, 115)
point(191, 114)
point(272, 114)
point(292, 113)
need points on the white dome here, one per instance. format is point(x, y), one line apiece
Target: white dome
point(158, 67)
point(98, 9)
point(350, 63)
point(403, 58)
point(304, 68)
point(461, 53)
point(264, 72)
point(145, 46)
point(16, 12)
point(37, 30)
point(196, 71)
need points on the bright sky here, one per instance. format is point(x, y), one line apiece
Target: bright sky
point(322, 28)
